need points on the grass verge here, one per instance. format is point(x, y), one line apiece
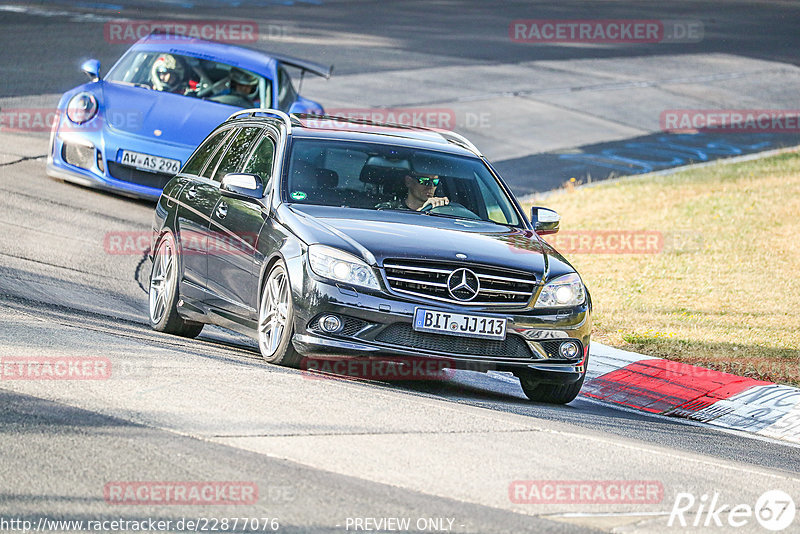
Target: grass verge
point(715, 278)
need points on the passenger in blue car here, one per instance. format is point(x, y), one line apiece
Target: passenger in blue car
point(244, 86)
point(169, 74)
point(421, 193)
point(241, 89)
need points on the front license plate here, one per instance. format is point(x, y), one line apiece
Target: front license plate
point(150, 163)
point(459, 324)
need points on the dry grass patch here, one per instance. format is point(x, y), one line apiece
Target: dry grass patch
point(724, 292)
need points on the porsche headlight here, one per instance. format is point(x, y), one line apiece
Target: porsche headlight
point(567, 290)
point(337, 265)
point(82, 108)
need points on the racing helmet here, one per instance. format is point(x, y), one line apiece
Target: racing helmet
point(164, 64)
point(245, 79)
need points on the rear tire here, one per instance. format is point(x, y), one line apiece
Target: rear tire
point(163, 292)
point(549, 393)
point(276, 319)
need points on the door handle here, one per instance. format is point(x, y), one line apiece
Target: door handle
point(191, 192)
point(222, 210)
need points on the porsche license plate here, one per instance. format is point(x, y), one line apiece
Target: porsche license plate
point(150, 163)
point(459, 324)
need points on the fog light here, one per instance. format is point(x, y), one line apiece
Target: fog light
point(100, 164)
point(330, 323)
point(569, 350)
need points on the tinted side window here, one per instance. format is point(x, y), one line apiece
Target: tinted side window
point(212, 164)
point(237, 151)
point(196, 162)
point(260, 162)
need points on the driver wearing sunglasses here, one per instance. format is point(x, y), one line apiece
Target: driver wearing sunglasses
point(421, 193)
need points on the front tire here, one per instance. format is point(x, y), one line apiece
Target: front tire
point(163, 293)
point(549, 393)
point(276, 319)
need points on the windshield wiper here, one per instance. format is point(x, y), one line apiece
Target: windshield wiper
point(404, 210)
point(451, 216)
point(428, 212)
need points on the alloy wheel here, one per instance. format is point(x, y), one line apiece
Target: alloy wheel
point(273, 312)
point(161, 280)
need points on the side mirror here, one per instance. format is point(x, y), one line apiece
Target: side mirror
point(545, 221)
point(92, 69)
point(242, 186)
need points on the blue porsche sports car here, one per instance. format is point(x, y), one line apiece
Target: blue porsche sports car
point(131, 131)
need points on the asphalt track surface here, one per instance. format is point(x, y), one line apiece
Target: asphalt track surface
point(320, 450)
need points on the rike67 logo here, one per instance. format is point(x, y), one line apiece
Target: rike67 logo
point(774, 510)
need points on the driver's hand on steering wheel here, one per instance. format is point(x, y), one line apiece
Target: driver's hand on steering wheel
point(435, 202)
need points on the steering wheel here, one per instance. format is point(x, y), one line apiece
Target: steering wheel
point(453, 208)
point(213, 88)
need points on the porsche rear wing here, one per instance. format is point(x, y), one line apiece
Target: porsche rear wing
point(303, 65)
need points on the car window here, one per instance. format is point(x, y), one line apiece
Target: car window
point(208, 172)
point(286, 92)
point(260, 161)
point(193, 77)
point(351, 174)
point(495, 210)
point(201, 155)
point(236, 153)
point(348, 164)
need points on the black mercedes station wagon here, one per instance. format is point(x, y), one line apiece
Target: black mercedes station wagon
point(334, 238)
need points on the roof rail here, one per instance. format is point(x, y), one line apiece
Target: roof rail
point(447, 135)
point(460, 140)
point(287, 120)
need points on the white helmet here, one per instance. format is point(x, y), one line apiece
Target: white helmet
point(163, 65)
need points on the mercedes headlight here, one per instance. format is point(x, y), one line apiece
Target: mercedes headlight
point(337, 265)
point(567, 290)
point(82, 108)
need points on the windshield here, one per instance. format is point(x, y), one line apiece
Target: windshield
point(385, 177)
point(193, 77)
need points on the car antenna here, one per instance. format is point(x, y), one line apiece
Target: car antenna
point(300, 84)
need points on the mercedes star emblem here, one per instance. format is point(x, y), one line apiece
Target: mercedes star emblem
point(463, 284)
